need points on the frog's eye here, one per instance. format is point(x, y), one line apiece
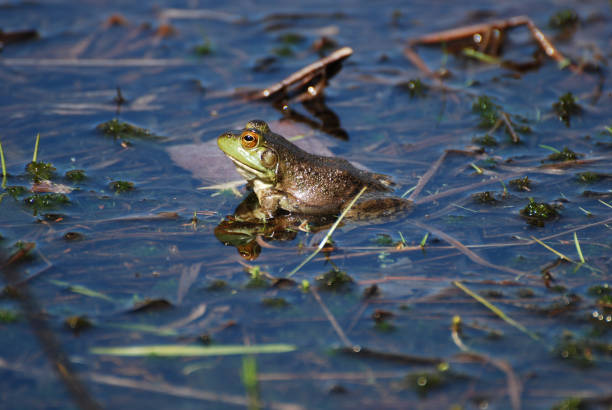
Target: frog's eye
point(249, 139)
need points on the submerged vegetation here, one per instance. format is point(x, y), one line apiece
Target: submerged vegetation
point(335, 279)
point(122, 130)
point(536, 213)
point(40, 171)
point(566, 107)
point(565, 155)
point(563, 19)
point(121, 186)
point(487, 110)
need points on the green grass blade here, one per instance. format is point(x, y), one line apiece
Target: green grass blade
point(409, 190)
point(192, 350)
point(3, 167)
point(329, 234)
point(478, 170)
point(578, 248)
point(82, 290)
point(548, 147)
point(485, 58)
point(424, 240)
point(496, 310)
point(559, 254)
point(605, 203)
point(144, 328)
point(249, 379)
point(35, 156)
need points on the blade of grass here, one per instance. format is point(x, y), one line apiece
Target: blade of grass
point(329, 233)
point(402, 239)
point(605, 203)
point(559, 254)
point(231, 185)
point(409, 190)
point(3, 167)
point(485, 58)
point(496, 310)
point(192, 350)
point(249, 379)
point(226, 185)
point(456, 333)
point(578, 248)
point(141, 327)
point(548, 147)
point(35, 156)
point(424, 240)
point(478, 170)
point(82, 290)
point(504, 186)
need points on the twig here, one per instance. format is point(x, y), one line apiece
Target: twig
point(515, 387)
point(96, 62)
point(335, 57)
point(467, 252)
point(506, 119)
point(47, 340)
point(453, 191)
point(199, 14)
point(182, 391)
point(469, 31)
point(331, 319)
point(427, 176)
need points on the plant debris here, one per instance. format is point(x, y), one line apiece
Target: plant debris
point(121, 186)
point(335, 279)
point(77, 323)
point(536, 213)
point(566, 107)
point(563, 19)
point(414, 87)
point(275, 302)
point(40, 171)
point(486, 140)
point(488, 111)
point(75, 175)
point(565, 155)
point(521, 184)
point(123, 130)
point(486, 197)
point(149, 305)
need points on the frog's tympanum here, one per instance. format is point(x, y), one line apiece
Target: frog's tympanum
point(286, 178)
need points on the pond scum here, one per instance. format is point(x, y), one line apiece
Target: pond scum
point(541, 286)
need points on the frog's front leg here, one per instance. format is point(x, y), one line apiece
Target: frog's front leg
point(269, 200)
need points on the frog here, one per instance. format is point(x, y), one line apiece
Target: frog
point(287, 179)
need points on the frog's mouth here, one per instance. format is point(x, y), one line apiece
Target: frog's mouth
point(250, 173)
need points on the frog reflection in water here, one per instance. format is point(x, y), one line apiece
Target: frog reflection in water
point(242, 229)
point(292, 187)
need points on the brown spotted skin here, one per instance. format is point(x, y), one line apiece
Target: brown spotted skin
point(309, 184)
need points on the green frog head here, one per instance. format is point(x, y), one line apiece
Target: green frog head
point(254, 150)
